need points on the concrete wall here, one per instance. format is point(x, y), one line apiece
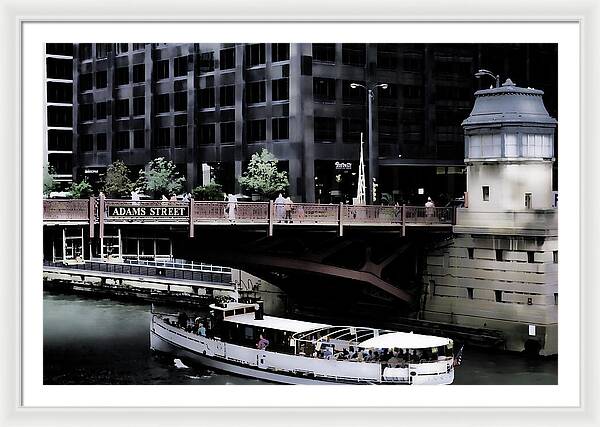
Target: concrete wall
point(508, 182)
point(497, 282)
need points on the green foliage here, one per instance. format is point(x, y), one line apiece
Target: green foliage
point(49, 182)
point(117, 182)
point(262, 175)
point(81, 190)
point(211, 191)
point(160, 178)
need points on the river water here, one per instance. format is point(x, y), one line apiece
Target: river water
point(98, 341)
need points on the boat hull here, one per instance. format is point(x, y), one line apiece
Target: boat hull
point(158, 343)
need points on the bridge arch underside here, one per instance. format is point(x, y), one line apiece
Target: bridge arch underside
point(363, 267)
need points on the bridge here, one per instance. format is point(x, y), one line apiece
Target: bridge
point(363, 248)
point(101, 212)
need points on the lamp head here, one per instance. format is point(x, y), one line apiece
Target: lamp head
point(384, 86)
point(353, 85)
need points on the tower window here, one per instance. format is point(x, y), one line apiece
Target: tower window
point(227, 57)
point(499, 255)
point(470, 252)
point(227, 98)
point(527, 200)
point(486, 193)
point(180, 65)
point(470, 293)
point(162, 69)
point(139, 73)
point(255, 54)
point(498, 295)
point(280, 52)
point(530, 257)
point(280, 128)
point(555, 257)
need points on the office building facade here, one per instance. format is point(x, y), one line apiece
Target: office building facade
point(214, 105)
point(58, 117)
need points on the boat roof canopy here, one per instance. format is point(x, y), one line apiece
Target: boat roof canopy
point(404, 340)
point(270, 322)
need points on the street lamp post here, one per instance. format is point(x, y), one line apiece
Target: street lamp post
point(371, 169)
point(480, 73)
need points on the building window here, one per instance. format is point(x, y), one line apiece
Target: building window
point(280, 128)
point(180, 64)
point(354, 54)
point(387, 128)
point(139, 73)
point(101, 142)
point(137, 46)
point(206, 97)
point(162, 69)
point(100, 110)
point(206, 62)
point(102, 50)
point(122, 76)
point(181, 136)
point(280, 89)
point(180, 101)
point(499, 255)
point(555, 298)
point(323, 52)
point(255, 92)
point(470, 252)
point(227, 57)
point(352, 128)
point(498, 295)
point(352, 95)
point(470, 293)
point(122, 108)
point(122, 48)
point(280, 52)
point(325, 129)
point(207, 134)
point(323, 89)
point(85, 51)
point(100, 79)
point(485, 193)
point(257, 130)
point(227, 132)
point(86, 142)
point(85, 82)
point(86, 112)
point(227, 96)
point(163, 138)
point(162, 103)
point(527, 200)
point(530, 257)
point(555, 257)
point(60, 140)
point(387, 56)
point(138, 139)
point(123, 140)
point(139, 106)
point(255, 54)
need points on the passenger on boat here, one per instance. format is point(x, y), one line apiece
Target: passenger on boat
point(182, 319)
point(327, 352)
point(202, 330)
point(262, 343)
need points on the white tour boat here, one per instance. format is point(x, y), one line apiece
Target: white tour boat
point(238, 338)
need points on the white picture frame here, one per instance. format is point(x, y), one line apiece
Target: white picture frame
point(16, 14)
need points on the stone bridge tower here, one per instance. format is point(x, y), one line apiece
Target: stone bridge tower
point(500, 271)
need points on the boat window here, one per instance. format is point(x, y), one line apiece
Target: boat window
point(249, 333)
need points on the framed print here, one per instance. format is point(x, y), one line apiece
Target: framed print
point(241, 208)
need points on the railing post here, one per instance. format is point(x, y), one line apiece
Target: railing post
point(92, 216)
point(403, 219)
point(340, 220)
point(191, 217)
point(270, 218)
point(101, 216)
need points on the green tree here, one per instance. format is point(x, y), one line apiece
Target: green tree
point(49, 182)
point(81, 190)
point(117, 182)
point(262, 175)
point(210, 191)
point(160, 178)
